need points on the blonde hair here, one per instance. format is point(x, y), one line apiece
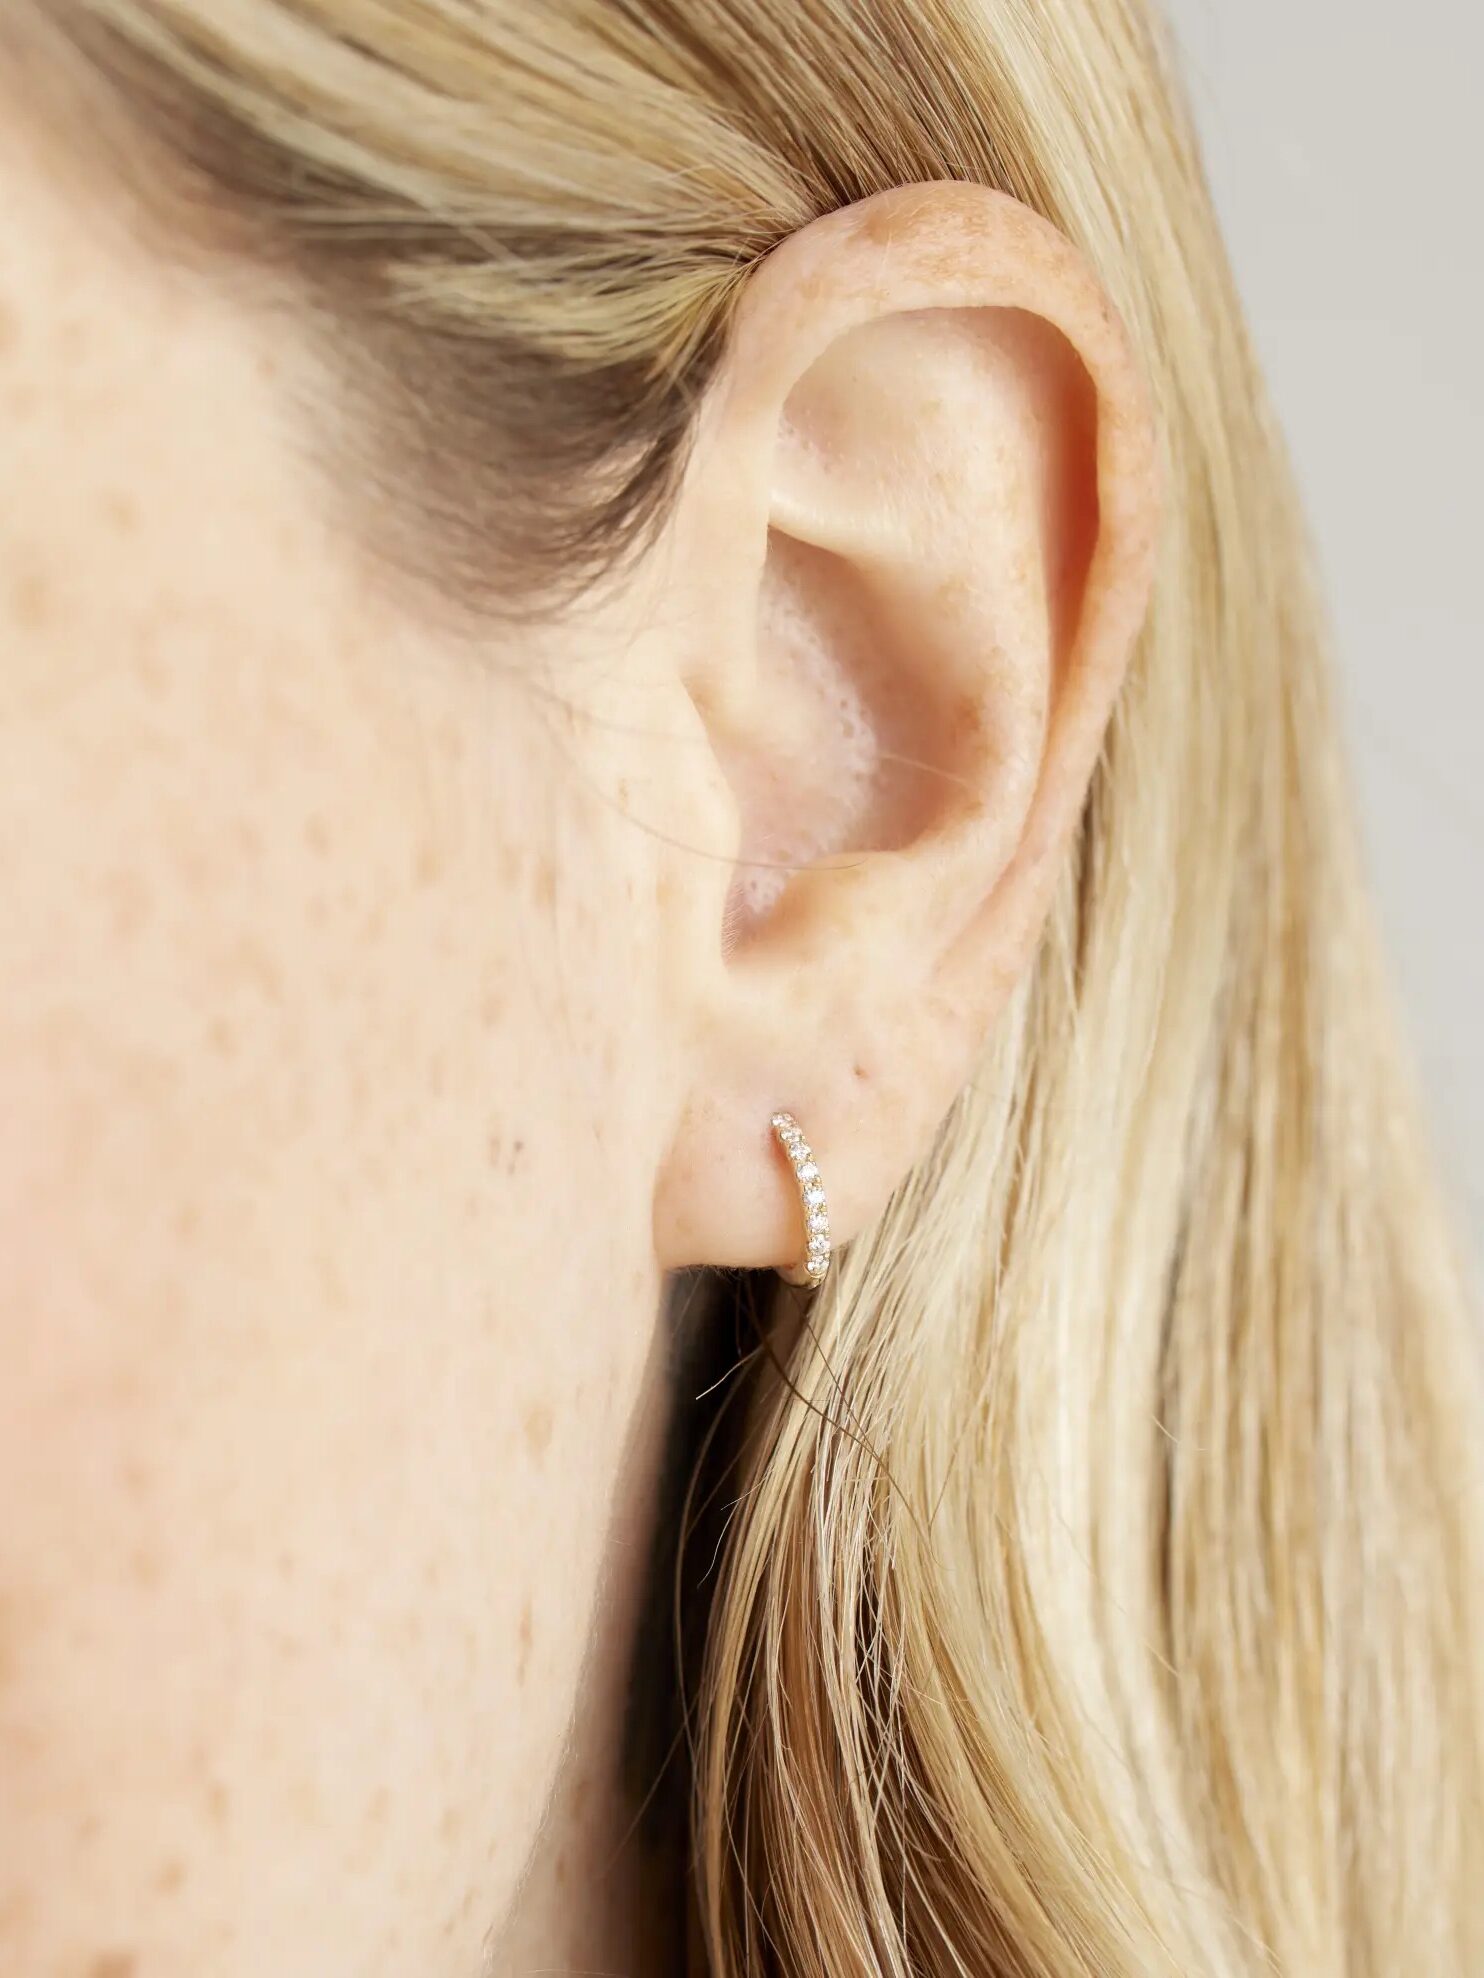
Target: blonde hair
point(1101, 1595)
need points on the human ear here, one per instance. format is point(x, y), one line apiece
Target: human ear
point(917, 535)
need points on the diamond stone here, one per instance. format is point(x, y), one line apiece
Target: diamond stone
point(816, 1260)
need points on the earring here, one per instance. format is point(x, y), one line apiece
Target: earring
point(811, 1198)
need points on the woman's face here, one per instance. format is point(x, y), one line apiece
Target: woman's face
point(384, 1005)
point(332, 997)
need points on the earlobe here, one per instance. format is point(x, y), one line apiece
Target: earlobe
point(923, 500)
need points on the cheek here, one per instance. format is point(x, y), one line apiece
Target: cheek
point(325, 1282)
point(325, 1260)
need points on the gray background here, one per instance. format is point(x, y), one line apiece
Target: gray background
point(1345, 143)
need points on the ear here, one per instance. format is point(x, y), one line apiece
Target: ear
point(918, 531)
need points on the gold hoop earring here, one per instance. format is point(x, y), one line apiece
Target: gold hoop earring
point(816, 1260)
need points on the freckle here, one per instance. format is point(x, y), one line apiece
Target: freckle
point(222, 1037)
point(31, 600)
point(154, 673)
point(450, 1824)
point(332, 1284)
point(257, 967)
point(429, 865)
point(113, 1964)
point(170, 1877)
point(517, 1154)
point(218, 1802)
point(128, 902)
point(136, 1476)
point(496, 1150)
point(317, 835)
point(491, 1009)
point(120, 511)
point(527, 1629)
point(377, 1810)
point(9, 1636)
point(545, 888)
point(537, 1424)
point(144, 1567)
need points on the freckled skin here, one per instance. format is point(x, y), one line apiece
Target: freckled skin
point(311, 1044)
point(372, 1036)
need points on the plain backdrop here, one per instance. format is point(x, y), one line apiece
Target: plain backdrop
point(1345, 144)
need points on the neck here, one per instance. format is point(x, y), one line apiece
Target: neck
point(606, 1890)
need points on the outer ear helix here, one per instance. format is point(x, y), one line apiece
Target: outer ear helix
point(816, 1261)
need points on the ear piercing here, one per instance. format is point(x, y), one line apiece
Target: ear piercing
point(811, 1198)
